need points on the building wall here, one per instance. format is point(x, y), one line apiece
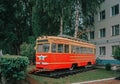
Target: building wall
point(108, 41)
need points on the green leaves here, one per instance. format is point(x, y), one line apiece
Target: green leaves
point(28, 51)
point(15, 24)
point(116, 53)
point(20, 19)
point(13, 67)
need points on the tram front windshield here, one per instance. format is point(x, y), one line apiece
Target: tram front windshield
point(43, 47)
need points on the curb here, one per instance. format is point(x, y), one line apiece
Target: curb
point(94, 81)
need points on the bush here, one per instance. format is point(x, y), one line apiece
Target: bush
point(13, 67)
point(108, 66)
point(116, 53)
point(98, 61)
point(28, 50)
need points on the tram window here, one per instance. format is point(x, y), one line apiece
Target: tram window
point(54, 47)
point(66, 48)
point(73, 50)
point(87, 50)
point(46, 47)
point(84, 50)
point(40, 48)
point(80, 49)
point(60, 48)
point(90, 50)
point(43, 48)
point(77, 49)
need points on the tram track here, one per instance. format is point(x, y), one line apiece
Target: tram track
point(62, 73)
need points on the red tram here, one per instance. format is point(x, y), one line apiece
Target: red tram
point(55, 52)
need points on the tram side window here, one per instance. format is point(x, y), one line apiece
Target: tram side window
point(73, 50)
point(60, 48)
point(85, 50)
point(77, 49)
point(66, 48)
point(46, 47)
point(90, 50)
point(54, 47)
point(80, 49)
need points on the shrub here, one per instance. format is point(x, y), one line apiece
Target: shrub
point(13, 67)
point(98, 61)
point(28, 50)
point(108, 66)
point(116, 53)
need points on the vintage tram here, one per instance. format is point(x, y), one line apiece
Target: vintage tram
point(63, 52)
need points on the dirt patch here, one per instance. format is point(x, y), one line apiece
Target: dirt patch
point(32, 80)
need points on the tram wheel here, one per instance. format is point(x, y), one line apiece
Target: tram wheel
point(89, 65)
point(73, 66)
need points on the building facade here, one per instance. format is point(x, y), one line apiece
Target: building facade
point(106, 34)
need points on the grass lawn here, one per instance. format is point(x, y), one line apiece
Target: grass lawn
point(79, 77)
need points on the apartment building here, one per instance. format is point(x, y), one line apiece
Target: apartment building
point(106, 34)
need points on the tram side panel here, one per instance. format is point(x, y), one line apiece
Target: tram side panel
point(53, 61)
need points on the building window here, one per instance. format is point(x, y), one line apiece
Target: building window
point(102, 15)
point(90, 19)
point(102, 50)
point(92, 34)
point(114, 47)
point(115, 30)
point(102, 32)
point(115, 10)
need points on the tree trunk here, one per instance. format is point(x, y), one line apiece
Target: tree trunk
point(61, 25)
point(76, 19)
point(1, 54)
point(3, 80)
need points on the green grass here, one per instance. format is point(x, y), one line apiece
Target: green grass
point(79, 77)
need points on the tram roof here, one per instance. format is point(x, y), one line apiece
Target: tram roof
point(65, 38)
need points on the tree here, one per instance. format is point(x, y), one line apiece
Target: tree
point(21, 19)
point(84, 9)
point(15, 24)
point(50, 15)
point(62, 15)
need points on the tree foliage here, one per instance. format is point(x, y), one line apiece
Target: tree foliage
point(47, 15)
point(28, 51)
point(21, 19)
point(15, 24)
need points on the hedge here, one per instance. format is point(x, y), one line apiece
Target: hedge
point(13, 67)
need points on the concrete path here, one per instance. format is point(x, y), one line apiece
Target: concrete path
point(87, 82)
